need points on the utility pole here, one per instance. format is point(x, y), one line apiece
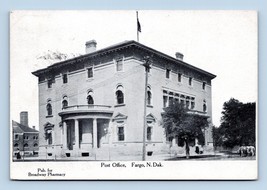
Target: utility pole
point(147, 63)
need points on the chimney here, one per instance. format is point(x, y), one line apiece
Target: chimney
point(179, 56)
point(24, 118)
point(90, 46)
point(33, 127)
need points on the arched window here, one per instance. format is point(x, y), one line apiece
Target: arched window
point(120, 95)
point(16, 145)
point(90, 99)
point(26, 145)
point(48, 129)
point(149, 96)
point(49, 108)
point(65, 102)
point(35, 145)
point(204, 106)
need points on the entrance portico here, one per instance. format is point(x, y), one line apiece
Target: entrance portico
point(85, 130)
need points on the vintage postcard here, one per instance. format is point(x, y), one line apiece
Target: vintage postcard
point(133, 95)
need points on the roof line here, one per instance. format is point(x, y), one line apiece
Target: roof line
point(122, 45)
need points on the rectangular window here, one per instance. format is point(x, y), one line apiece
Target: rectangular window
point(119, 65)
point(49, 83)
point(65, 78)
point(187, 104)
point(16, 137)
point(170, 100)
point(190, 81)
point(120, 133)
point(90, 72)
point(149, 133)
point(49, 139)
point(165, 100)
point(192, 104)
point(203, 85)
point(179, 77)
point(168, 73)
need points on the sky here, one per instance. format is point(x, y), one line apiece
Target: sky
point(224, 43)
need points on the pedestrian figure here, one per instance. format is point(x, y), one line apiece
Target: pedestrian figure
point(197, 150)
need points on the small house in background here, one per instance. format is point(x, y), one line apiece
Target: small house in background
point(25, 138)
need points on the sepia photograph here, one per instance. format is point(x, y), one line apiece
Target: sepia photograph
point(135, 94)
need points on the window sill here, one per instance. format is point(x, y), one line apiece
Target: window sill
point(49, 116)
point(119, 105)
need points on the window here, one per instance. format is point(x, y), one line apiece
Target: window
point(49, 108)
point(119, 65)
point(120, 133)
point(49, 83)
point(168, 73)
point(65, 102)
point(48, 129)
point(65, 78)
point(165, 101)
point(90, 99)
point(33, 137)
point(204, 106)
point(192, 103)
point(179, 77)
point(203, 85)
point(149, 96)
point(49, 138)
point(16, 145)
point(90, 72)
point(16, 136)
point(35, 145)
point(120, 95)
point(182, 99)
point(187, 102)
point(170, 100)
point(25, 137)
point(149, 133)
point(190, 81)
point(26, 145)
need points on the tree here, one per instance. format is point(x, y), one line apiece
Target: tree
point(237, 124)
point(179, 122)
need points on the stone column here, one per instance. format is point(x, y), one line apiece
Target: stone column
point(76, 128)
point(94, 133)
point(64, 135)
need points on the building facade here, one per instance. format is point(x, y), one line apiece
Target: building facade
point(94, 103)
point(25, 138)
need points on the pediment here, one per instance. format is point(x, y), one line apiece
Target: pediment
point(151, 117)
point(48, 126)
point(120, 116)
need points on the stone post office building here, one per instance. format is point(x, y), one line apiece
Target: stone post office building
point(94, 103)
